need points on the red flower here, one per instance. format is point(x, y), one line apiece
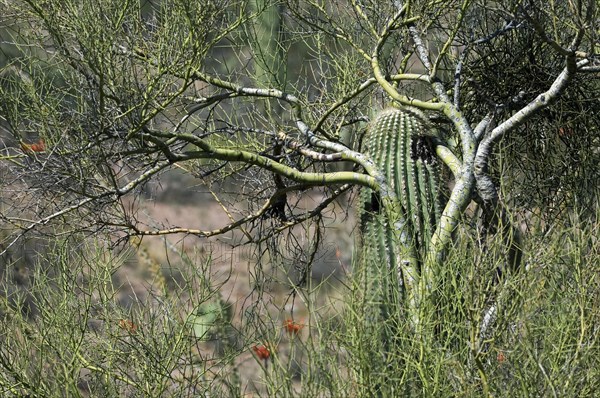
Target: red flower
point(292, 327)
point(39, 146)
point(261, 351)
point(128, 325)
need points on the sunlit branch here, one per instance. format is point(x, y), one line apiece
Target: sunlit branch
point(296, 146)
point(374, 180)
point(382, 80)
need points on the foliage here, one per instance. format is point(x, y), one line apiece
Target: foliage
point(82, 339)
point(266, 105)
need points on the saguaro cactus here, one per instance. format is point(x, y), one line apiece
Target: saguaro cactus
point(396, 234)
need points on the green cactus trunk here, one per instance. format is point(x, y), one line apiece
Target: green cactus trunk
point(396, 231)
point(266, 41)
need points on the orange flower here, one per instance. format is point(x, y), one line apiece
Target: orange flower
point(128, 325)
point(39, 146)
point(291, 326)
point(261, 351)
point(565, 132)
point(501, 357)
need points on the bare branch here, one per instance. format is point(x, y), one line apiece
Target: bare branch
point(485, 186)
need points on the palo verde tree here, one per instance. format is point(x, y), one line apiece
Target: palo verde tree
point(427, 107)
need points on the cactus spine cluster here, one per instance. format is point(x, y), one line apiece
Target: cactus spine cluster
point(396, 234)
